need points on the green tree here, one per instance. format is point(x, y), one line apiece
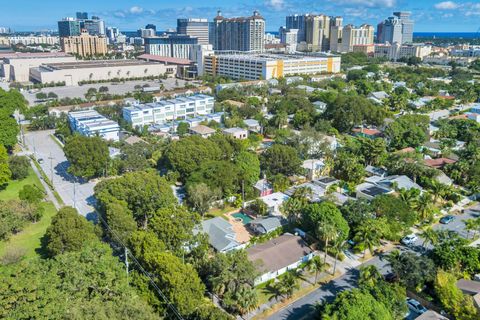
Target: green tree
point(316, 265)
point(407, 131)
point(5, 173)
point(453, 300)
point(89, 284)
point(348, 168)
point(287, 284)
point(19, 166)
point(201, 196)
point(242, 301)
point(281, 159)
point(31, 193)
point(120, 220)
point(68, 232)
point(369, 276)
point(10, 129)
point(182, 128)
point(249, 167)
point(356, 304)
point(88, 156)
point(221, 175)
point(412, 270)
point(369, 233)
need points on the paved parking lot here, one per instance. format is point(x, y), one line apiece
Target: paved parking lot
point(73, 192)
point(120, 88)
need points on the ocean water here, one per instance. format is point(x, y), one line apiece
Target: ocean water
point(446, 35)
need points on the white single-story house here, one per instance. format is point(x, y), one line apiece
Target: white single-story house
point(237, 133)
point(317, 191)
point(253, 125)
point(274, 201)
point(279, 255)
point(266, 225)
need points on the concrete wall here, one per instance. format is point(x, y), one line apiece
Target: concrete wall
point(19, 69)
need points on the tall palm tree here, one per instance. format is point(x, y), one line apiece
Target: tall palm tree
point(429, 236)
point(409, 196)
point(316, 264)
point(292, 209)
point(326, 232)
point(338, 246)
point(425, 206)
point(368, 234)
point(287, 284)
point(438, 190)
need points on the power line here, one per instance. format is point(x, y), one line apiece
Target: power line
point(147, 274)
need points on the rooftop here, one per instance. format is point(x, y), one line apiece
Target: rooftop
point(279, 252)
point(438, 163)
point(167, 60)
point(95, 64)
point(201, 129)
point(33, 55)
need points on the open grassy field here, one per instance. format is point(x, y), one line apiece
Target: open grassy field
point(28, 240)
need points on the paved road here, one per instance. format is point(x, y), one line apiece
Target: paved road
point(76, 194)
point(302, 308)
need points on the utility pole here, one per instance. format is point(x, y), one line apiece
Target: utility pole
point(74, 193)
point(126, 259)
point(51, 167)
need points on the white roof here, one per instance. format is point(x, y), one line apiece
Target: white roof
point(275, 199)
point(316, 164)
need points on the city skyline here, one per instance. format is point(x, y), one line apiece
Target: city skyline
point(429, 15)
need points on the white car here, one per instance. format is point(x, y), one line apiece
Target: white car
point(415, 306)
point(410, 239)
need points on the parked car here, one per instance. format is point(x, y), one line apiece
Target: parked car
point(447, 219)
point(410, 239)
point(40, 160)
point(415, 306)
point(391, 277)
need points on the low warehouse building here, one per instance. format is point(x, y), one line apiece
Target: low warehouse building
point(98, 70)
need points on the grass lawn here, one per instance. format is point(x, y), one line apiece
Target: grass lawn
point(29, 238)
point(219, 212)
point(11, 191)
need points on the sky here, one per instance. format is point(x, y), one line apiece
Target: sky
point(429, 15)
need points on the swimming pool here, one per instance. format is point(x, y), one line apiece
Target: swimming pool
point(242, 216)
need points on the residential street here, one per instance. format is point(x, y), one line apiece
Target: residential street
point(302, 308)
point(77, 194)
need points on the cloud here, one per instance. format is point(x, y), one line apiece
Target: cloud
point(446, 5)
point(369, 3)
point(136, 10)
point(275, 4)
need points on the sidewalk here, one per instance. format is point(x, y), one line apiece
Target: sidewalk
point(49, 192)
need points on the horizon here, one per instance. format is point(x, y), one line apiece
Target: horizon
point(429, 15)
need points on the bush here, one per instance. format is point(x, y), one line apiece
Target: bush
point(19, 166)
point(31, 193)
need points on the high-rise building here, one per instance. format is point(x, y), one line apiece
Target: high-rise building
point(151, 26)
point(175, 46)
point(239, 34)
point(112, 34)
point(5, 30)
point(297, 21)
point(68, 27)
point(396, 29)
point(289, 37)
point(146, 33)
point(82, 15)
point(407, 25)
point(94, 26)
point(198, 28)
point(353, 36)
point(317, 32)
point(85, 45)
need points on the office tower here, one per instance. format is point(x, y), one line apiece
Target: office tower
point(175, 46)
point(317, 32)
point(352, 36)
point(239, 34)
point(289, 37)
point(68, 27)
point(94, 26)
point(297, 21)
point(336, 31)
point(146, 33)
point(85, 45)
point(398, 28)
point(5, 30)
point(407, 26)
point(198, 28)
point(112, 34)
point(392, 30)
point(151, 26)
point(82, 16)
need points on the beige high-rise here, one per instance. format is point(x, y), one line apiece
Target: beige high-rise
point(317, 32)
point(85, 45)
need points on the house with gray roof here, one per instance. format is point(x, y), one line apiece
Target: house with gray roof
point(220, 234)
point(401, 182)
point(266, 225)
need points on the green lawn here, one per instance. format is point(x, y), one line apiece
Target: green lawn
point(29, 238)
point(11, 191)
point(219, 212)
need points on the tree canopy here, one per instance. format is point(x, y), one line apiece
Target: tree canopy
point(88, 156)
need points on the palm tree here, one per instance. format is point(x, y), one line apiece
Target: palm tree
point(326, 232)
point(409, 196)
point(425, 206)
point(429, 236)
point(472, 224)
point(338, 246)
point(368, 234)
point(438, 190)
point(246, 299)
point(287, 284)
point(315, 264)
point(369, 276)
point(292, 209)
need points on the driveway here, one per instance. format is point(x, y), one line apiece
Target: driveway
point(74, 193)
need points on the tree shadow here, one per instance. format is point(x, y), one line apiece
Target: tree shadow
point(42, 250)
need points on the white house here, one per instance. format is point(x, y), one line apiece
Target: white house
point(279, 255)
point(237, 133)
point(90, 123)
point(314, 168)
point(274, 201)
